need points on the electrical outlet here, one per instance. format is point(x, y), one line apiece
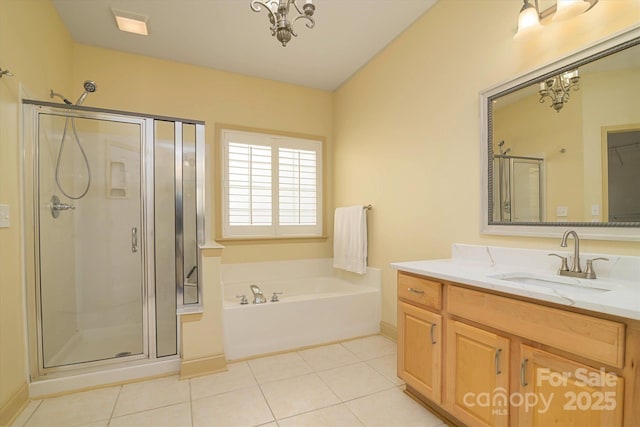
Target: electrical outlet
point(595, 210)
point(562, 211)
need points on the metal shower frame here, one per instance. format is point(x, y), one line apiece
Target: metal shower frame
point(31, 232)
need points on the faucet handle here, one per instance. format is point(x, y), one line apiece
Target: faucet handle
point(275, 298)
point(590, 273)
point(564, 266)
point(243, 299)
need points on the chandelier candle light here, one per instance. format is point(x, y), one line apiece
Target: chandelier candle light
point(557, 88)
point(278, 10)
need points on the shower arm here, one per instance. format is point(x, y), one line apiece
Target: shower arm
point(53, 94)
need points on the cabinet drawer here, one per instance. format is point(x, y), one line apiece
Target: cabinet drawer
point(421, 291)
point(591, 337)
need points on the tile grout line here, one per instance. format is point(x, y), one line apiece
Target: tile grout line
point(32, 413)
point(317, 409)
point(191, 404)
point(392, 379)
point(114, 405)
point(273, 415)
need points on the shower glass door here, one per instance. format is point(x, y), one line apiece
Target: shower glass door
point(91, 271)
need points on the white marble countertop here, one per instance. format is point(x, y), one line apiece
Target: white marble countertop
point(620, 280)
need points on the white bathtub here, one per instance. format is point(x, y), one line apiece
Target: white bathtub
point(316, 307)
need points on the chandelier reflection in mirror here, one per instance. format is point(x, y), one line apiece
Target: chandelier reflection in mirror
point(557, 88)
point(281, 24)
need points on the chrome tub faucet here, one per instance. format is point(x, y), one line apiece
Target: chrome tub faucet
point(258, 297)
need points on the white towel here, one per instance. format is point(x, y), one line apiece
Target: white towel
point(350, 239)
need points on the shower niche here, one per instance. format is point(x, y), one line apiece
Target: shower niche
point(109, 274)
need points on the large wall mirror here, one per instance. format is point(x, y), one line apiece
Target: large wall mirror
point(561, 146)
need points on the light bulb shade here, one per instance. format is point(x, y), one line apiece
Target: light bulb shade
point(567, 9)
point(528, 20)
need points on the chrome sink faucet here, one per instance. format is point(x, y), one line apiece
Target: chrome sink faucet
point(258, 297)
point(576, 250)
point(576, 271)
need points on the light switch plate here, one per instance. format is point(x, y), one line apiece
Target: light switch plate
point(4, 216)
point(562, 211)
point(595, 209)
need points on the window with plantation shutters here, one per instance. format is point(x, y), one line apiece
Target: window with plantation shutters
point(271, 185)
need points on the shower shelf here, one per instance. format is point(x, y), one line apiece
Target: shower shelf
point(117, 188)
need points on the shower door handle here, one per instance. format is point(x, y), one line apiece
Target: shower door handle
point(134, 239)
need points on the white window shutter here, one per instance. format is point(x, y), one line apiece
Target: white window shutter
point(249, 185)
point(272, 185)
point(297, 186)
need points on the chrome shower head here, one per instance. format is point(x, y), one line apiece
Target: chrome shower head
point(89, 87)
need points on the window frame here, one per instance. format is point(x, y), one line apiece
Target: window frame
point(274, 140)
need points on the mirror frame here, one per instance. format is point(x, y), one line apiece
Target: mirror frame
point(599, 231)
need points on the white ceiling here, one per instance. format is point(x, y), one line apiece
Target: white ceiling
point(228, 35)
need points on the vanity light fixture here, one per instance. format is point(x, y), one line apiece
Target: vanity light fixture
point(281, 24)
point(131, 22)
point(567, 9)
point(530, 17)
point(557, 88)
point(528, 20)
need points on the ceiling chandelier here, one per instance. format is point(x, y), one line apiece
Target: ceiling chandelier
point(557, 88)
point(281, 24)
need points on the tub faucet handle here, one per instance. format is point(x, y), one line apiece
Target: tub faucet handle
point(243, 299)
point(275, 298)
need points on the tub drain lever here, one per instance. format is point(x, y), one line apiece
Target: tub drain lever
point(275, 298)
point(243, 299)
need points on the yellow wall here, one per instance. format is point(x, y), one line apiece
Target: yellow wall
point(142, 84)
point(36, 47)
point(407, 126)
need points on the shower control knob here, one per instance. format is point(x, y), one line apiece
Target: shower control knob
point(243, 299)
point(56, 206)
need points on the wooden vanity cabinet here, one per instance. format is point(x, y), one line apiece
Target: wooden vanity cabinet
point(420, 335)
point(476, 357)
point(420, 350)
point(477, 373)
point(574, 394)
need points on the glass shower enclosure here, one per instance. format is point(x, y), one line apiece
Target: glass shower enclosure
point(518, 189)
point(116, 201)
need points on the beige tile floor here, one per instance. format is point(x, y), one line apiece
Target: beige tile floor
point(349, 384)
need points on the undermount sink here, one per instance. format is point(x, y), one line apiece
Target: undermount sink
point(555, 283)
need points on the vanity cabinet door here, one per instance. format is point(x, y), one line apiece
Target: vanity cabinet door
point(567, 393)
point(420, 350)
point(477, 375)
